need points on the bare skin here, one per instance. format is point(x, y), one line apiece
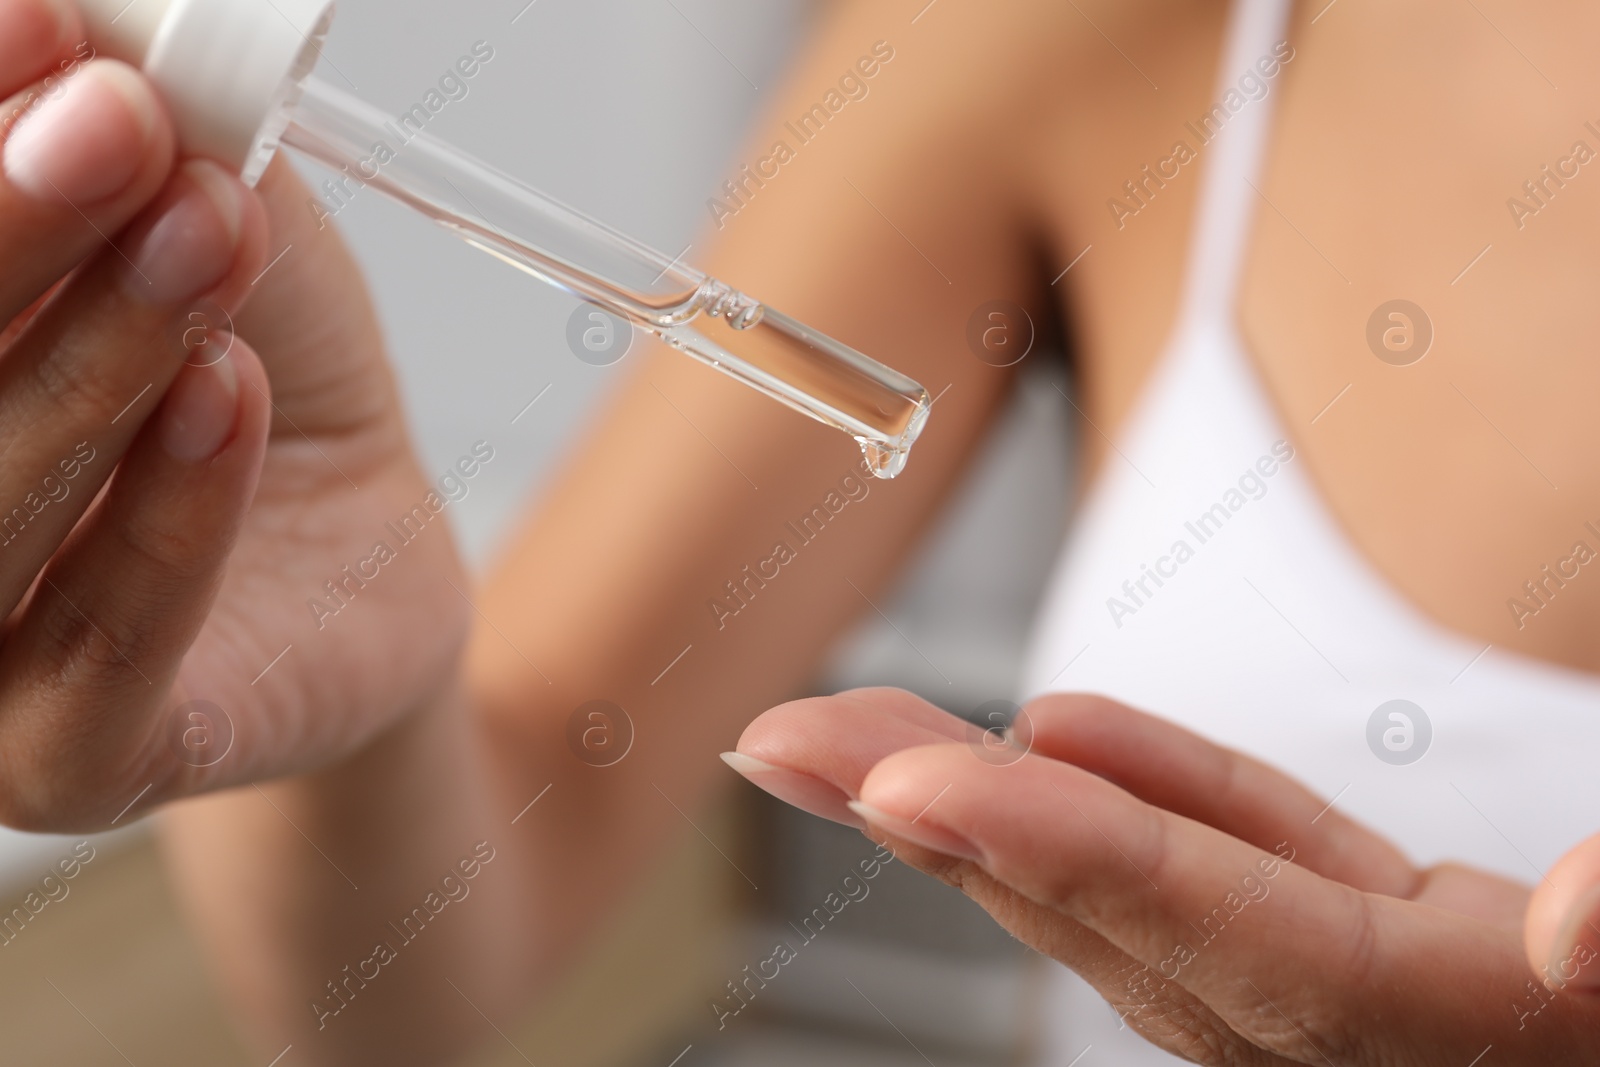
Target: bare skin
point(992, 140)
point(1324, 945)
point(1395, 177)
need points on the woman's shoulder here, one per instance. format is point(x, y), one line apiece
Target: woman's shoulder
point(961, 82)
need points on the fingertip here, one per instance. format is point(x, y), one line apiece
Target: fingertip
point(746, 765)
point(33, 35)
point(244, 220)
point(1561, 929)
point(819, 749)
point(141, 101)
point(218, 406)
point(255, 397)
point(203, 238)
point(252, 241)
point(806, 792)
point(839, 738)
point(919, 794)
point(200, 412)
point(85, 139)
point(808, 733)
point(904, 781)
point(769, 736)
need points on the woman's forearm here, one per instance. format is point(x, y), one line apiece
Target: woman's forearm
point(367, 912)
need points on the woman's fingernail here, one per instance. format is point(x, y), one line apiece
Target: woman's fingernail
point(926, 834)
point(189, 248)
point(31, 31)
point(85, 139)
point(1575, 957)
point(804, 791)
point(199, 412)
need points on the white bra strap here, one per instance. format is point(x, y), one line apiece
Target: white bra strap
point(1231, 139)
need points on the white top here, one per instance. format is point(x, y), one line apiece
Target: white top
point(1270, 633)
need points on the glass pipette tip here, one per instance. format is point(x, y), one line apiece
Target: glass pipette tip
point(693, 312)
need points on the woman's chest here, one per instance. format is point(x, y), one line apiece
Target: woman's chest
point(1417, 294)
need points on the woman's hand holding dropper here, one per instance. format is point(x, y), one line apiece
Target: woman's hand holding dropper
point(213, 349)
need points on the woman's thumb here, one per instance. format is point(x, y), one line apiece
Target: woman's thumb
point(1562, 927)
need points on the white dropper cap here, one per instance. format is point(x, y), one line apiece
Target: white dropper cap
point(229, 70)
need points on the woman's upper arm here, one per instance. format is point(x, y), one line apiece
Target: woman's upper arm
point(883, 217)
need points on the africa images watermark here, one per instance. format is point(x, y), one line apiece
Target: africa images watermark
point(1253, 887)
point(1253, 85)
point(453, 486)
point(854, 487)
point(1540, 590)
point(52, 490)
point(454, 887)
point(1543, 187)
point(852, 890)
point(453, 85)
point(1552, 981)
point(1252, 485)
point(52, 889)
point(852, 86)
point(50, 87)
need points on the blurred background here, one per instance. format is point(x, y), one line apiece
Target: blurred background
point(631, 110)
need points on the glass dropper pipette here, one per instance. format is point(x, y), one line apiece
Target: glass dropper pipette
point(693, 312)
point(236, 75)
